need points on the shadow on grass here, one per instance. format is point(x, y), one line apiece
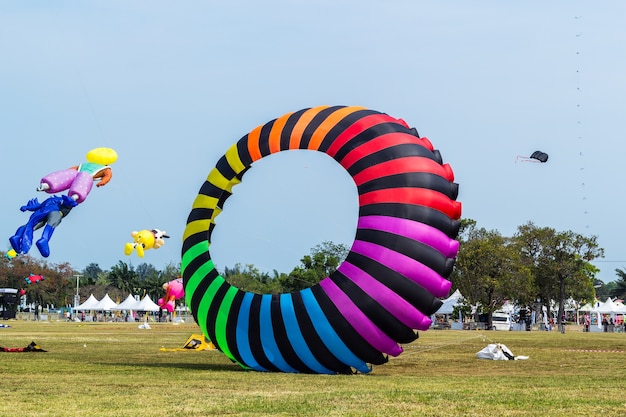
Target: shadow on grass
point(185, 366)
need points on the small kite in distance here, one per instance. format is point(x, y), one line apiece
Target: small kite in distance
point(537, 156)
point(32, 278)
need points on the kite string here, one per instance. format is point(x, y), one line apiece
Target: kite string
point(579, 125)
point(456, 342)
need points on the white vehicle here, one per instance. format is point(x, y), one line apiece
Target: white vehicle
point(500, 321)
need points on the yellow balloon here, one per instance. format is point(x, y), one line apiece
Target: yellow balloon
point(103, 156)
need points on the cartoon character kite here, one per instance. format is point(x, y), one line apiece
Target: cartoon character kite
point(173, 291)
point(79, 179)
point(144, 240)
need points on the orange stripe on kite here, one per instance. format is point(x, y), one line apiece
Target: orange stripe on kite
point(329, 123)
point(277, 129)
point(253, 144)
point(302, 124)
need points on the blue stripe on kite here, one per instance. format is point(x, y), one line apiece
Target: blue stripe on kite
point(328, 335)
point(243, 342)
point(294, 334)
point(267, 336)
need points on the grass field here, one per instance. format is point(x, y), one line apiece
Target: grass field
point(117, 369)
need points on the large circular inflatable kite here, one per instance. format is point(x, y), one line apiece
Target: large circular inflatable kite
point(390, 282)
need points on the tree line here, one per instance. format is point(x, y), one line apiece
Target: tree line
point(61, 280)
point(536, 265)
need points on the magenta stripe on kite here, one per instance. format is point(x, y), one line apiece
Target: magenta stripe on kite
point(407, 266)
point(422, 232)
point(401, 309)
point(359, 321)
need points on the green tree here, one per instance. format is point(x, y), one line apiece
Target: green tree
point(151, 281)
point(90, 274)
point(560, 262)
point(604, 290)
point(489, 270)
point(58, 288)
point(323, 261)
point(170, 272)
point(249, 278)
point(620, 284)
point(53, 290)
point(124, 277)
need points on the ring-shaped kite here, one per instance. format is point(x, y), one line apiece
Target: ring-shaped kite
point(390, 282)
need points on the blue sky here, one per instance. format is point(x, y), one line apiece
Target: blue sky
point(171, 85)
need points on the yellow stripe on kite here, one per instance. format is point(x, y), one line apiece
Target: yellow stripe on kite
point(219, 180)
point(204, 201)
point(232, 156)
point(216, 212)
point(197, 226)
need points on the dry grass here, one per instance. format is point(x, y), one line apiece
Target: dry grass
point(123, 372)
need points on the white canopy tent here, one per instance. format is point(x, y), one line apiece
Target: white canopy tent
point(130, 303)
point(587, 308)
point(146, 304)
point(608, 307)
point(105, 304)
point(449, 303)
point(89, 304)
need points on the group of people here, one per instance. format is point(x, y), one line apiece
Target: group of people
point(609, 324)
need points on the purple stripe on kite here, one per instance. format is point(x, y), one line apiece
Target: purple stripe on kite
point(359, 321)
point(409, 267)
point(401, 309)
point(421, 232)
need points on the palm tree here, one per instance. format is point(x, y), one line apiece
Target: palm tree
point(123, 277)
point(620, 284)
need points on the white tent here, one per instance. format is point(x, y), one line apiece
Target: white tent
point(449, 303)
point(130, 303)
point(607, 307)
point(587, 308)
point(105, 304)
point(146, 304)
point(89, 304)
